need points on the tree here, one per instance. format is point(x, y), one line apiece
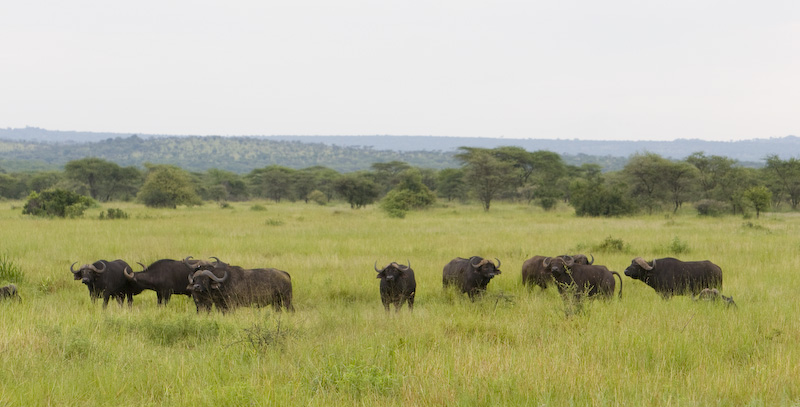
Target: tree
point(358, 189)
point(274, 181)
point(645, 174)
point(410, 193)
point(594, 196)
point(787, 174)
point(104, 180)
point(387, 175)
point(167, 186)
point(222, 185)
point(760, 197)
point(678, 179)
point(486, 175)
point(450, 184)
point(711, 172)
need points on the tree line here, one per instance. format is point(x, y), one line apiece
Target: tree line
point(647, 183)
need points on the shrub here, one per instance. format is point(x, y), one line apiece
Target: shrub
point(711, 207)
point(113, 213)
point(677, 246)
point(611, 245)
point(318, 196)
point(57, 202)
point(258, 208)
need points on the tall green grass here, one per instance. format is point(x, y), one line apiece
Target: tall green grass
point(514, 347)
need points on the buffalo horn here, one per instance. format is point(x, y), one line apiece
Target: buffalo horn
point(404, 268)
point(186, 261)
point(569, 261)
point(643, 264)
point(498, 262)
point(218, 261)
point(211, 275)
point(128, 273)
point(376, 266)
point(102, 270)
point(546, 262)
point(591, 261)
point(72, 268)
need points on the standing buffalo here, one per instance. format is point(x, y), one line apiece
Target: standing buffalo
point(586, 279)
point(227, 287)
point(471, 275)
point(534, 271)
point(9, 291)
point(397, 285)
point(670, 276)
point(106, 278)
point(165, 277)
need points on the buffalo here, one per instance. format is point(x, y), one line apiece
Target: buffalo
point(165, 277)
point(10, 291)
point(669, 276)
point(226, 287)
point(106, 278)
point(586, 279)
point(471, 275)
point(397, 285)
point(535, 272)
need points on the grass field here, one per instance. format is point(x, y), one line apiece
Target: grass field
point(513, 347)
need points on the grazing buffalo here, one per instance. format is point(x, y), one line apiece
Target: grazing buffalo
point(471, 275)
point(9, 291)
point(534, 271)
point(227, 287)
point(586, 279)
point(165, 277)
point(670, 276)
point(712, 294)
point(397, 285)
point(106, 278)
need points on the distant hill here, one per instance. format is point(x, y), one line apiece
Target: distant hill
point(33, 148)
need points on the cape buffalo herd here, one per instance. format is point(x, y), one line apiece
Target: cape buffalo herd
point(224, 287)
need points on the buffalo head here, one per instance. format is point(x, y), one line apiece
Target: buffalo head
point(88, 272)
point(485, 267)
point(393, 271)
point(558, 266)
point(639, 269)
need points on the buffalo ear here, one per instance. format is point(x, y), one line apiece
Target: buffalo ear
point(381, 275)
point(215, 286)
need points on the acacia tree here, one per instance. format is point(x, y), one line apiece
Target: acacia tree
point(787, 173)
point(104, 180)
point(645, 173)
point(358, 189)
point(486, 175)
point(678, 178)
point(760, 197)
point(274, 181)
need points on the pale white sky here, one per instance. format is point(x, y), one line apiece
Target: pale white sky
point(609, 70)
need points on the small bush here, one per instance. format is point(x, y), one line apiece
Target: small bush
point(258, 208)
point(261, 336)
point(548, 203)
point(318, 196)
point(710, 207)
point(612, 245)
point(9, 270)
point(113, 213)
point(677, 246)
point(273, 222)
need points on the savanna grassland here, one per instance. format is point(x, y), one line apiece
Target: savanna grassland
point(513, 347)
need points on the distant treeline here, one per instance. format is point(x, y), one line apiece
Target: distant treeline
point(647, 182)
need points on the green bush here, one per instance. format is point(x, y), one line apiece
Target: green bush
point(711, 207)
point(57, 202)
point(318, 196)
point(113, 213)
point(9, 270)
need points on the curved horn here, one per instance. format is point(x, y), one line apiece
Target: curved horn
point(218, 260)
point(211, 275)
point(569, 261)
point(72, 268)
point(643, 264)
point(376, 266)
point(592, 260)
point(404, 268)
point(475, 265)
point(546, 262)
point(129, 274)
point(102, 270)
point(143, 266)
point(186, 261)
point(498, 262)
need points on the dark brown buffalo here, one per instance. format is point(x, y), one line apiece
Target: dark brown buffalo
point(106, 279)
point(669, 276)
point(10, 291)
point(585, 279)
point(535, 272)
point(398, 285)
point(471, 275)
point(165, 277)
point(226, 287)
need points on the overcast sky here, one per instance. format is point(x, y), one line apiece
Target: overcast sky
point(601, 70)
